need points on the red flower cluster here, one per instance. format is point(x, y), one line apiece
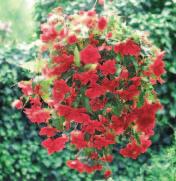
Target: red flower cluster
point(17, 104)
point(81, 167)
point(72, 39)
point(48, 131)
point(101, 2)
point(127, 48)
point(108, 68)
point(102, 23)
point(49, 33)
point(107, 173)
point(133, 149)
point(90, 55)
point(92, 91)
point(55, 145)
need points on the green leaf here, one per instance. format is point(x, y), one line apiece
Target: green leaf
point(88, 150)
point(59, 27)
point(141, 99)
point(118, 58)
point(90, 66)
point(134, 63)
point(137, 138)
point(150, 96)
point(117, 107)
point(172, 70)
point(76, 57)
point(35, 66)
point(45, 86)
point(58, 123)
point(86, 104)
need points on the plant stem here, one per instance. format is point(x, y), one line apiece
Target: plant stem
point(94, 4)
point(104, 6)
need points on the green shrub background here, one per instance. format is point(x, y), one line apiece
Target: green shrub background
point(21, 156)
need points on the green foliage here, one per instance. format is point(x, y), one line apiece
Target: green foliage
point(76, 57)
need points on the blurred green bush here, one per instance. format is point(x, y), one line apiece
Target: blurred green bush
point(21, 155)
point(18, 14)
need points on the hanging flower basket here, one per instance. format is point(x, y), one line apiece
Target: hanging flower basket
point(93, 89)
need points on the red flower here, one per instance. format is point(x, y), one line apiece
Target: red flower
point(109, 67)
point(101, 141)
point(63, 33)
point(73, 114)
point(64, 62)
point(145, 143)
point(133, 150)
point(109, 35)
point(86, 77)
point(97, 104)
point(77, 138)
point(95, 91)
point(94, 155)
point(48, 131)
point(107, 158)
point(103, 119)
point(91, 126)
point(92, 40)
point(72, 39)
point(132, 90)
point(124, 74)
point(118, 48)
point(55, 145)
point(38, 90)
point(49, 33)
point(91, 13)
point(110, 85)
point(90, 55)
point(35, 102)
point(80, 167)
point(76, 164)
point(18, 104)
point(145, 121)
point(102, 23)
point(128, 94)
point(59, 90)
point(127, 48)
point(26, 87)
point(107, 173)
point(158, 65)
point(132, 48)
point(101, 2)
point(136, 81)
point(117, 125)
point(73, 94)
point(37, 115)
point(104, 46)
point(90, 169)
point(63, 59)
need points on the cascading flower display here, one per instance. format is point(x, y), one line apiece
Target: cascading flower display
point(93, 87)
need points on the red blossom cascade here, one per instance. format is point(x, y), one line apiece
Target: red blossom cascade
point(90, 55)
point(94, 90)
